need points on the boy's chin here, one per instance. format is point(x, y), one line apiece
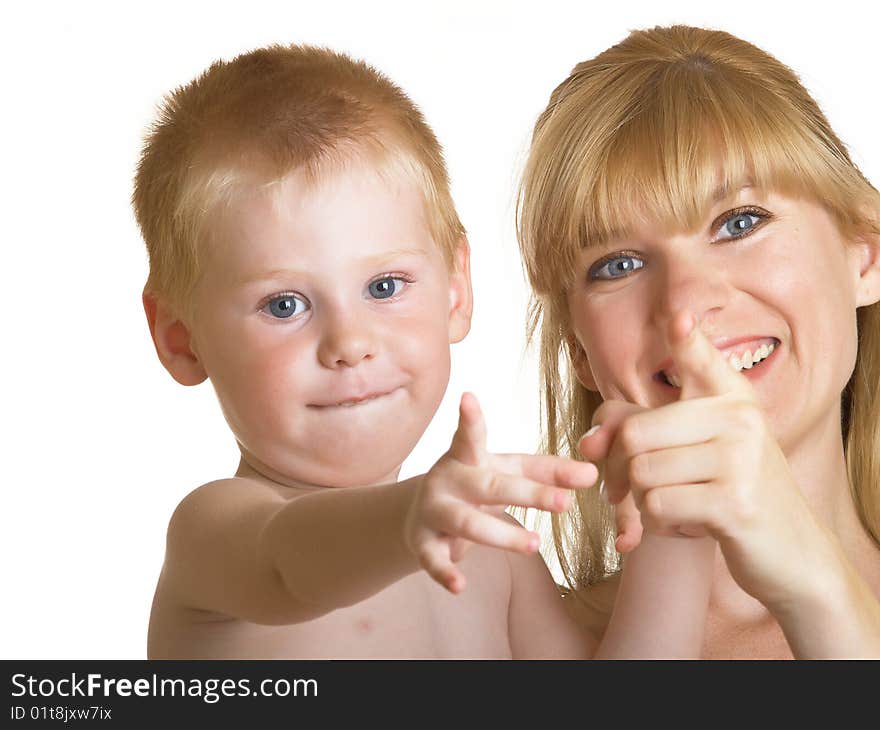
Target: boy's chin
point(351, 469)
point(354, 470)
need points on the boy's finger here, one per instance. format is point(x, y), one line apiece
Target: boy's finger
point(469, 441)
point(435, 558)
point(548, 469)
point(700, 367)
point(482, 488)
point(485, 529)
point(458, 549)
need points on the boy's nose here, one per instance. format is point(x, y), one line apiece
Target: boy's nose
point(346, 341)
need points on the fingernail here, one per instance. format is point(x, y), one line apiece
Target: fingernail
point(534, 544)
point(593, 430)
point(602, 492)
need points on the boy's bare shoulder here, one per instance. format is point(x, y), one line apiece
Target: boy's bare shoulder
point(213, 561)
point(214, 502)
point(199, 502)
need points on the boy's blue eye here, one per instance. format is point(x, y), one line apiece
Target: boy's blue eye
point(286, 306)
point(385, 287)
point(616, 267)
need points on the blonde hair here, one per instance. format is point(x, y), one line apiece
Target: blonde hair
point(653, 129)
point(252, 121)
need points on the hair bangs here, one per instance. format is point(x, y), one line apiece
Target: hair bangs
point(695, 140)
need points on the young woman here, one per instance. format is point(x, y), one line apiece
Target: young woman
point(686, 208)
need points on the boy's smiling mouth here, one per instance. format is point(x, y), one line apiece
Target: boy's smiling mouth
point(743, 354)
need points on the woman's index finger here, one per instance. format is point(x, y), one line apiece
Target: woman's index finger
point(702, 369)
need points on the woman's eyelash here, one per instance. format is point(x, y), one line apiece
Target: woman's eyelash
point(763, 216)
point(605, 260)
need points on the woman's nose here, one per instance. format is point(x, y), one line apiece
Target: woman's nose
point(690, 281)
point(346, 340)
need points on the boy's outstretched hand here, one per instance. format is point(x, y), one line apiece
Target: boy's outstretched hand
point(461, 500)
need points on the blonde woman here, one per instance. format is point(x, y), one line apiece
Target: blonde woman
point(686, 208)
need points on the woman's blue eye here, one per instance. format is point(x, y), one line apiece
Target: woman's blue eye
point(738, 225)
point(617, 267)
point(286, 306)
point(385, 287)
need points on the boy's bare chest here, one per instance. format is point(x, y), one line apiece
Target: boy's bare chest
point(414, 618)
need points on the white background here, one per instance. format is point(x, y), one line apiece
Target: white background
point(99, 443)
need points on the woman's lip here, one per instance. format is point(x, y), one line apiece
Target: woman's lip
point(753, 373)
point(727, 346)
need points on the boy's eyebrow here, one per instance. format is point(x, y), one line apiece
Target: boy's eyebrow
point(372, 261)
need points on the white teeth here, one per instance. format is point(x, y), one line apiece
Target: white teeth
point(747, 362)
point(749, 359)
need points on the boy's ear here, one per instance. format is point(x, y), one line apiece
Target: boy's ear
point(580, 364)
point(172, 340)
point(866, 252)
point(461, 297)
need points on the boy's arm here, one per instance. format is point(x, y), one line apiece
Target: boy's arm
point(237, 547)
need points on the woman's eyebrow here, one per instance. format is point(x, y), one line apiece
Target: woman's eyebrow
point(725, 192)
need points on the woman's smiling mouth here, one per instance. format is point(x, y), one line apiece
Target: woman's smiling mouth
point(744, 355)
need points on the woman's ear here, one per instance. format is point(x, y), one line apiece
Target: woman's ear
point(866, 266)
point(581, 364)
point(461, 298)
point(173, 342)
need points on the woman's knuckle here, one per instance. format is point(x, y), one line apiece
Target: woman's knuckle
point(629, 435)
point(652, 507)
point(639, 470)
point(746, 416)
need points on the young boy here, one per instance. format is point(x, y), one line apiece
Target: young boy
point(305, 255)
